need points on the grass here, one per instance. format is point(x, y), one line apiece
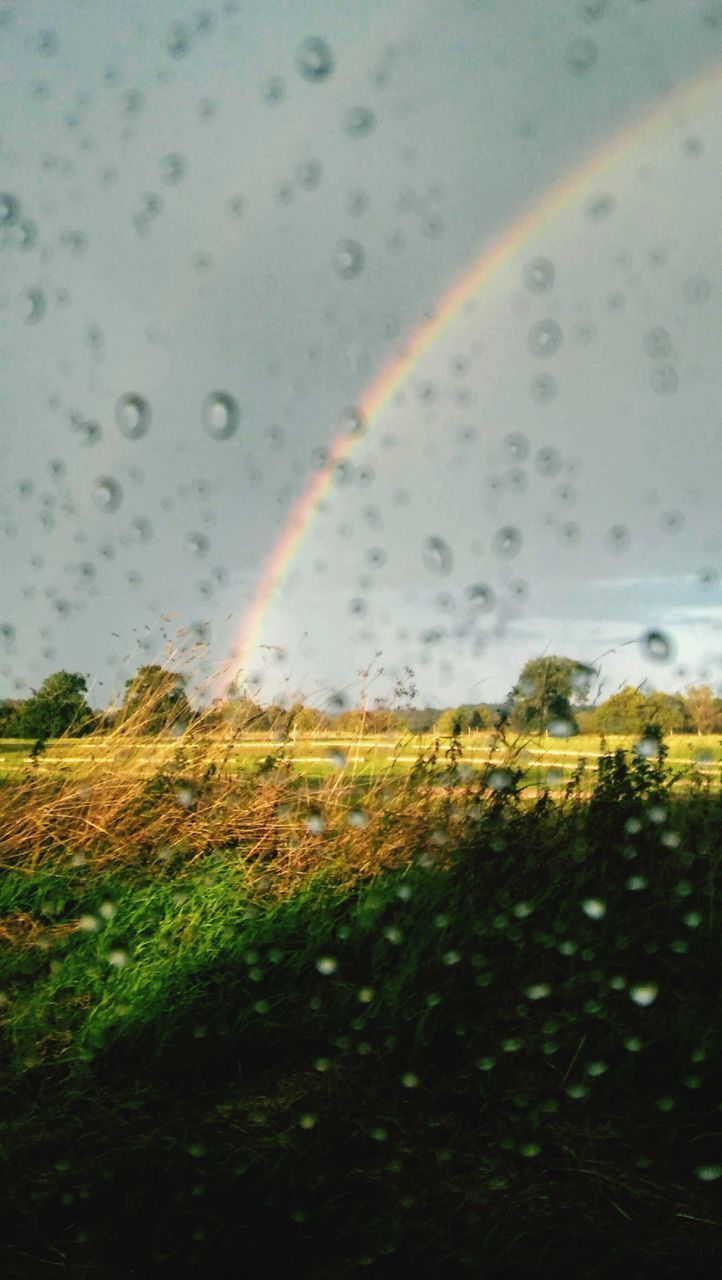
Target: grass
point(425, 1024)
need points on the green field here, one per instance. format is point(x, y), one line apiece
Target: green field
point(410, 1030)
point(545, 761)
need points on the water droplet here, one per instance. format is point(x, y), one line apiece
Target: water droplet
point(220, 415)
point(314, 58)
point(172, 168)
point(327, 965)
point(664, 379)
point(308, 1120)
point(315, 824)
point(657, 343)
point(336, 757)
point(539, 991)
point(657, 646)
point(581, 55)
point(90, 432)
point(708, 1172)
point(516, 446)
point(132, 415)
point(107, 494)
point(644, 993)
point(34, 305)
point(500, 779)
point(545, 338)
point(481, 597)
point(594, 908)
point(437, 556)
point(348, 259)
point(178, 40)
point(539, 275)
point(560, 728)
point(507, 542)
point(357, 818)
point(543, 388)
point(9, 209)
point(617, 538)
point(198, 543)
point(647, 748)
point(117, 957)
point(308, 173)
point(600, 207)
point(358, 122)
point(409, 1080)
point(548, 461)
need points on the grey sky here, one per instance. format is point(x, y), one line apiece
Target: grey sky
point(177, 279)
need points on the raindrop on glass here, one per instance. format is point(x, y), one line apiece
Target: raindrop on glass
point(507, 542)
point(220, 415)
point(107, 494)
point(314, 58)
point(657, 646)
point(545, 338)
point(358, 122)
point(539, 275)
point(132, 415)
point(437, 556)
point(348, 259)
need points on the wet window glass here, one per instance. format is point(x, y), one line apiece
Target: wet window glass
point(360, 635)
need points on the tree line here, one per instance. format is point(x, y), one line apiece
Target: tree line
point(551, 696)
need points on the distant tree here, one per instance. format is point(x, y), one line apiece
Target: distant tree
point(10, 709)
point(241, 714)
point(310, 720)
point(623, 712)
point(702, 709)
point(58, 707)
point(547, 690)
point(351, 721)
point(480, 717)
point(586, 718)
point(417, 719)
point(664, 713)
point(278, 719)
point(381, 720)
point(452, 722)
point(156, 699)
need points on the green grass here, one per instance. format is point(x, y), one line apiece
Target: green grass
point(437, 1069)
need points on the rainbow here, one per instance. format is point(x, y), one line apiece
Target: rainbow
point(378, 394)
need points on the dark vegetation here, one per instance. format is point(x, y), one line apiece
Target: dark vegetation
point(257, 1029)
point(551, 693)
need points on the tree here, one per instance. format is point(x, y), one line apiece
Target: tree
point(155, 699)
point(546, 689)
point(480, 717)
point(452, 722)
point(624, 712)
point(58, 707)
point(664, 713)
point(242, 714)
point(702, 709)
point(10, 709)
point(310, 720)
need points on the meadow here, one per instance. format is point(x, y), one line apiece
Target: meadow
point(374, 1020)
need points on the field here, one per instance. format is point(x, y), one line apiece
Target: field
point(545, 761)
point(392, 1017)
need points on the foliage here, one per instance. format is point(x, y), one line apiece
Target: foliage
point(484, 1040)
point(452, 722)
point(58, 707)
point(9, 714)
point(703, 710)
point(546, 690)
point(156, 701)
